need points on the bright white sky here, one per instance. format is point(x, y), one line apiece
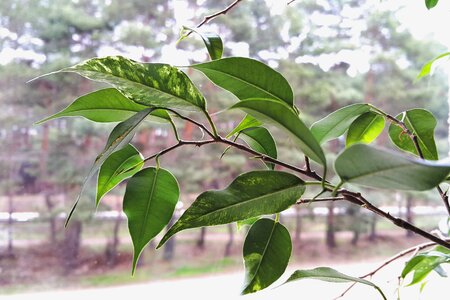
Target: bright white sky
point(423, 24)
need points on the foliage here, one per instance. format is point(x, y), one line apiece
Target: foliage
point(165, 91)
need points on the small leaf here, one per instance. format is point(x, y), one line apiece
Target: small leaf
point(267, 249)
point(422, 124)
point(283, 117)
point(373, 167)
point(330, 275)
point(111, 172)
point(120, 136)
point(335, 124)
point(247, 122)
point(150, 199)
point(248, 78)
point(107, 105)
point(260, 139)
point(366, 128)
point(426, 69)
point(250, 195)
point(149, 84)
point(431, 3)
point(424, 263)
point(212, 41)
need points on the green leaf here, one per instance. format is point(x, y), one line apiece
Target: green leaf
point(260, 139)
point(431, 3)
point(212, 41)
point(330, 275)
point(248, 78)
point(366, 128)
point(111, 172)
point(422, 124)
point(247, 122)
point(150, 199)
point(246, 222)
point(149, 84)
point(107, 105)
point(283, 117)
point(250, 195)
point(374, 167)
point(424, 263)
point(335, 124)
point(120, 136)
point(267, 249)
point(426, 69)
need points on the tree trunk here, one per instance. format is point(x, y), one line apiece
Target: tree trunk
point(52, 220)
point(229, 244)
point(373, 229)
point(10, 248)
point(201, 239)
point(111, 247)
point(330, 236)
point(409, 215)
point(169, 246)
point(71, 246)
point(298, 226)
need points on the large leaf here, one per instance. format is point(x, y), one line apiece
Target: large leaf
point(149, 84)
point(247, 122)
point(249, 195)
point(150, 199)
point(107, 105)
point(120, 136)
point(422, 124)
point(422, 264)
point(112, 170)
point(212, 41)
point(335, 124)
point(260, 139)
point(366, 128)
point(283, 117)
point(330, 275)
point(267, 249)
point(248, 78)
point(373, 167)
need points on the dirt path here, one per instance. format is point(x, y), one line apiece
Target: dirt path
point(227, 287)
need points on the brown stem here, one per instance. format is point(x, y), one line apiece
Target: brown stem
point(307, 201)
point(224, 11)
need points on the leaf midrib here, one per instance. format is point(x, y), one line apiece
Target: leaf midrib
point(263, 254)
point(249, 83)
point(116, 172)
point(245, 201)
point(74, 70)
point(150, 198)
point(385, 169)
point(418, 136)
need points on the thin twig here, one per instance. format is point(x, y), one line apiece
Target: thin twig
point(413, 250)
point(307, 201)
point(224, 11)
point(307, 164)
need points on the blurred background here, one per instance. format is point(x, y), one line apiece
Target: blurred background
point(333, 53)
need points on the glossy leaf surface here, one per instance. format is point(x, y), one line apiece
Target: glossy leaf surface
point(107, 105)
point(213, 42)
point(260, 139)
point(374, 167)
point(336, 124)
point(250, 195)
point(267, 249)
point(247, 78)
point(424, 263)
point(120, 136)
point(422, 124)
point(280, 115)
point(247, 122)
point(111, 172)
point(150, 199)
point(365, 129)
point(148, 84)
point(431, 3)
point(330, 275)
